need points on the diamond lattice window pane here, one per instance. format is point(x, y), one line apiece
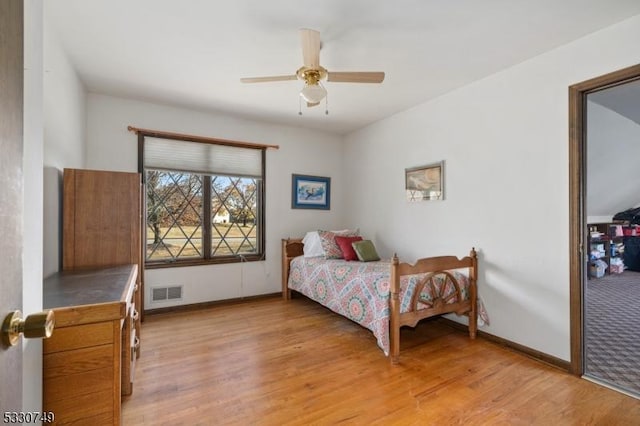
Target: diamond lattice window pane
point(234, 213)
point(174, 215)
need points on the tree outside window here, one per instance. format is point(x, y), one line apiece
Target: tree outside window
point(193, 216)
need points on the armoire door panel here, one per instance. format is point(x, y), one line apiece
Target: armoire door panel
point(102, 211)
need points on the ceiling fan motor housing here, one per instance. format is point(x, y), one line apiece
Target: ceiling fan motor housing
point(311, 76)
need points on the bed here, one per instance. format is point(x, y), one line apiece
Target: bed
point(384, 295)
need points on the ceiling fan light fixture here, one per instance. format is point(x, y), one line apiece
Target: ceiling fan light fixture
point(313, 93)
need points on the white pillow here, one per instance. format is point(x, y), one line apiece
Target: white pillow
point(313, 243)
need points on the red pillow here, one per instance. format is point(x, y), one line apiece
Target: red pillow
point(345, 247)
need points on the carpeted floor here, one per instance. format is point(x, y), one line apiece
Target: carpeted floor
point(612, 330)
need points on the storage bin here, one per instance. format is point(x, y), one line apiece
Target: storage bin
point(616, 269)
point(596, 270)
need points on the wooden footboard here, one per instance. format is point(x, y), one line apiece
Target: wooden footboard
point(435, 268)
point(454, 303)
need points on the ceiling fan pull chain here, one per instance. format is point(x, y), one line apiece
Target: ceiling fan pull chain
point(299, 105)
point(326, 104)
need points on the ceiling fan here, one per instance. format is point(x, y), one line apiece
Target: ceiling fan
point(312, 73)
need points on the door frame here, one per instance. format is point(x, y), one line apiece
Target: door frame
point(577, 205)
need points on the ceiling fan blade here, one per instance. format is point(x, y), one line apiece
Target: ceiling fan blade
point(310, 47)
point(267, 79)
point(355, 77)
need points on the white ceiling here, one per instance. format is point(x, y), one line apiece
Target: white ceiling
point(193, 52)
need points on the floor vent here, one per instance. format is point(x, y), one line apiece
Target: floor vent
point(159, 294)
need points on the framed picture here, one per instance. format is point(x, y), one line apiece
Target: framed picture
point(425, 182)
point(310, 192)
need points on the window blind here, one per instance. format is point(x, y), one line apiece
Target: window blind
point(204, 158)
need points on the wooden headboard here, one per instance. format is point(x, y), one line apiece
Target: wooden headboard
point(291, 247)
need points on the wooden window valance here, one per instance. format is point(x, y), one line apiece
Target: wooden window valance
point(201, 139)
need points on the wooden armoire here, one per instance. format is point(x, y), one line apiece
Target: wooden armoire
point(101, 234)
point(101, 218)
point(102, 223)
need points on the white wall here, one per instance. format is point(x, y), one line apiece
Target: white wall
point(32, 169)
point(111, 147)
point(505, 143)
point(58, 95)
point(64, 136)
point(613, 172)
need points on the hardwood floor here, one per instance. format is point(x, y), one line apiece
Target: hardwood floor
point(272, 362)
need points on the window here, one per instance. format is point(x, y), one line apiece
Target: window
point(204, 201)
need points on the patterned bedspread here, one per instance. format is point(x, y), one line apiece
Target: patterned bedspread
point(359, 290)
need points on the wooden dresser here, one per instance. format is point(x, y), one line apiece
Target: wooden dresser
point(92, 351)
point(102, 226)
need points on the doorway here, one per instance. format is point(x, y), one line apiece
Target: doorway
point(580, 236)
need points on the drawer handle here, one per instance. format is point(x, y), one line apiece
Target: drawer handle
point(135, 315)
point(135, 347)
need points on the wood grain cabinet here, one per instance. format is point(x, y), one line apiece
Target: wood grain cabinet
point(102, 224)
point(89, 359)
point(101, 229)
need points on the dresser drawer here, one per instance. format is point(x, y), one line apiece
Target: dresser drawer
point(59, 364)
point(78, 385)
point(89, 409)
point(81, 336)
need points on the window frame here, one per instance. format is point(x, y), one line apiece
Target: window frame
point(207, 258)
